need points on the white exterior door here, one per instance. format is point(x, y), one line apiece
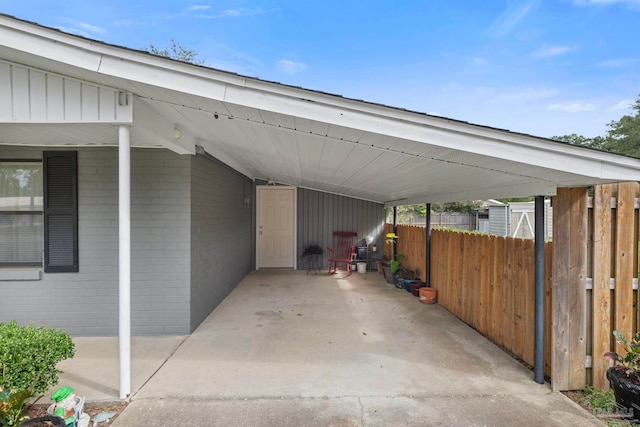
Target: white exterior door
point(276, 223)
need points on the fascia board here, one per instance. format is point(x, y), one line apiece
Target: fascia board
point(48, 44)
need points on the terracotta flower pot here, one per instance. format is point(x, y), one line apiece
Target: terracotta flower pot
point(428, 295)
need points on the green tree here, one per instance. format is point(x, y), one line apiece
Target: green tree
point(467, 207)
point(598, 142)
point(624, 134)
point(178, 52)
point(405, 213)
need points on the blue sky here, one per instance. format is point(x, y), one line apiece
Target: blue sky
point(543, 67)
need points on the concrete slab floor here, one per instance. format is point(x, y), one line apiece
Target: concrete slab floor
point(94, 372)
point(286, 348)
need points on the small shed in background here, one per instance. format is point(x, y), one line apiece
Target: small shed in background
point(516, 219)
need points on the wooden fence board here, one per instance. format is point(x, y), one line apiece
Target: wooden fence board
point(458, 281)
point(509, 292)
point(454, 257)
point(625, 242)
point(577, 289)
point(548, 304)
point(560, 297)
point(435, 260)
point(499, 301)
point(467, 272)
point(451, 265)
point(477, 281)
point(601, 297)
point(528, 298)
point(485, 274)
point(518, 296)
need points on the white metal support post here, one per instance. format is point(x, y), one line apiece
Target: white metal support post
point(124, 218)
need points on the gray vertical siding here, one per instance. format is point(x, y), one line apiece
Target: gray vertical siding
point(86, 303)
point(320, 214)
point(221, 234)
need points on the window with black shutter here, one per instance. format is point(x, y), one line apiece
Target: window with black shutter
point(60, 211)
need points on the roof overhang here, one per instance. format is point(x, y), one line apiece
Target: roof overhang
point(292, 135)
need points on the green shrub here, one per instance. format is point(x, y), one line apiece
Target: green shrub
point(29, 355)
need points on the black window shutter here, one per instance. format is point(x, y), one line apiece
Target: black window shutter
point(60, 211)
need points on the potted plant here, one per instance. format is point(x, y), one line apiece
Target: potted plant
point(311, 253)
point(395, 273)
point(624, 375)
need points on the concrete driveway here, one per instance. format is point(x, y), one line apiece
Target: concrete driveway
point(290, 349)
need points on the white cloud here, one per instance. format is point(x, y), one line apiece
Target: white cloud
point(476, 60)
point(625, 104)
point(131, 23)
point(82, 28)
point(514, 13)
point(572, 107)
point(551, 51)
point(290, 67)
point(511, 95)
point(72, 30)
point(232, 13)
point(616, 63)
point(198, 7)
point(224, 57)
point(633, 4)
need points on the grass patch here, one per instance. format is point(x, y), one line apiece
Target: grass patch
point(602, 404)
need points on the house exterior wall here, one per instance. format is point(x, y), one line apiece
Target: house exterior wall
point(320, 214)
point(86, 303)
point(222, 238)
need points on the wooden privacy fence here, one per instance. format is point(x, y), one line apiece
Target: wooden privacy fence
point(591, 281)
point(488, 282)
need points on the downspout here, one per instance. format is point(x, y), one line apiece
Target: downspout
point(124, 250)
point(427, 266)
point(538, 356)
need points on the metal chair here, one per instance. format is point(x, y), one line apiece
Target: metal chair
point(343, 251)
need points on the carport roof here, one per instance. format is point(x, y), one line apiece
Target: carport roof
point(292, 135)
